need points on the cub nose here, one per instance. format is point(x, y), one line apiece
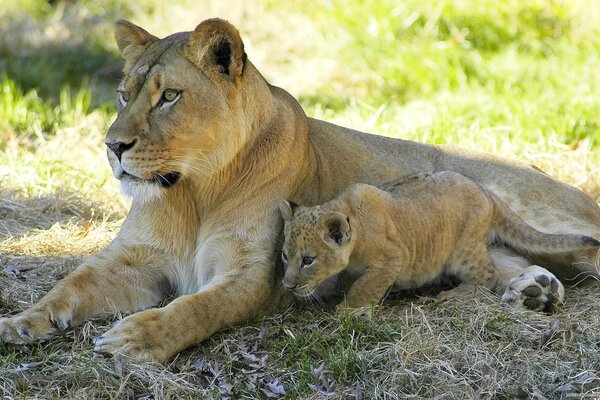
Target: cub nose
point(119, 147)
point(290, 286)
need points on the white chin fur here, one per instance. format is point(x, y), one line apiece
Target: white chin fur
point(141, 191)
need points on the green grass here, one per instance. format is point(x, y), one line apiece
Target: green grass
point(525, 66)
point(516, 78)
point(29, 115)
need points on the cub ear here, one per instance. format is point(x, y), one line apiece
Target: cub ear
point(132, 40)
point(287, 209)
point(216, 47)
point(336, 228)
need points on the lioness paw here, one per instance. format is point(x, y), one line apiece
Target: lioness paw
point(33, 325)
point(536, 289)
point(140, 337)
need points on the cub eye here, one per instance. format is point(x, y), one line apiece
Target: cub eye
point(284, 257)
point(123, 98)
point(307, 261)
point(170, 95)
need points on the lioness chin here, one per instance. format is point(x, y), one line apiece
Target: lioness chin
point(207, 148)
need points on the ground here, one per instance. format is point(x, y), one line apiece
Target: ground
point(513, 78)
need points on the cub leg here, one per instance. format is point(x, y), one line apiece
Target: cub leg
point(371, 286)
point(116, 279)
point(472, 267)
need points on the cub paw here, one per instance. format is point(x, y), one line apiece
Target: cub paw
point(458, 293)
point(34, 325)
point(536, 289)
point(140, 337)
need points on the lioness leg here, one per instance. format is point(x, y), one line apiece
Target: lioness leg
point(117, 279)
point(159, 333)
point(536, 289)
point(525, 285)
point(370, 287)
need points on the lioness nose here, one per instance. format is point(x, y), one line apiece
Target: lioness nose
point(119, 147)
point(290, 286)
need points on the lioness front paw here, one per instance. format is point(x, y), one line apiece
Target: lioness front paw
point(536, 289)
point(40, 323)
point(143, 336)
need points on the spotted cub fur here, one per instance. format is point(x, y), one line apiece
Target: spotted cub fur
point(405, 234)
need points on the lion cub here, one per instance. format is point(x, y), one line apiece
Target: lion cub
point(405, 234)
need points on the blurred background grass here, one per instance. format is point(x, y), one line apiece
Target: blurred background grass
point(518, 78)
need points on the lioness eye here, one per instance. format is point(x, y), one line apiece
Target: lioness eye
point(170, 95)
point(284, 257)
point(307, 261)
point(123, 98)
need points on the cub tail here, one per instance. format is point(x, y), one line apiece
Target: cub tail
point(521, 236)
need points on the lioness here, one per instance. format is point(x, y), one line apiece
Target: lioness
point(409, 233)
point(207, 149)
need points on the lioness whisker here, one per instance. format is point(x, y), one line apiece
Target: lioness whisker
point(206, 163)
point(198, 169)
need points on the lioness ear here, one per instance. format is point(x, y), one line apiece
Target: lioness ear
point(287, 209)
point(215, 46)
point(336, 227)
point(132, 40)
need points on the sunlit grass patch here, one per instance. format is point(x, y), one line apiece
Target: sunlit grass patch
point(27, 115)
point(72, 160)
point(416, 48)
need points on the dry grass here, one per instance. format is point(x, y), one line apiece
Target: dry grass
point(413, 348)
point(59, 202)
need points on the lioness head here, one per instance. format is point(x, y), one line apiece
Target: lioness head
point(180, 106)
point(318, 244)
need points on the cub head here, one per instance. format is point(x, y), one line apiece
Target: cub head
point(318, 244)
point(180, 109)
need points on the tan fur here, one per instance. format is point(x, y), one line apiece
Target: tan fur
point(238, 146)
point(406, 234)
